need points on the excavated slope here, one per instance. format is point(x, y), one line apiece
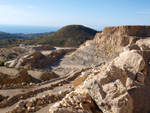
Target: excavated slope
point(108, 44)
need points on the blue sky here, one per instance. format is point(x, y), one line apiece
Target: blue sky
point(91, 13)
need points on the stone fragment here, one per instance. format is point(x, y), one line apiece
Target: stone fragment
point(140, 77)
point(78, 81)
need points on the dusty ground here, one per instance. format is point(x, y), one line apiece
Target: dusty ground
point(63, 67)
point(9, 71)
point(57, 89)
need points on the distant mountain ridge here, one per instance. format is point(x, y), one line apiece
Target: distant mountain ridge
point(68, 36)
point(32, 35)
point(8, 39)
point(4, 35)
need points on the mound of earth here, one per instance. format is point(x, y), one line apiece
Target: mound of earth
point(48, 75)
point(122, 85)
point(21, 77)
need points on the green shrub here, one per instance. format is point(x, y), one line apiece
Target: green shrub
point(22, 90)
point(1, 63)
point(9, 56)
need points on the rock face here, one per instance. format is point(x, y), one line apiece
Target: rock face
point(122, 85)
point(108, 44)
point(21, 77)
point(141, 31)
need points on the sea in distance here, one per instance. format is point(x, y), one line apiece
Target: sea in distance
point(27, 29)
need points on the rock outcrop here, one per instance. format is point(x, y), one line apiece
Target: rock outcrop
point(108, 44)
point(140, 31)
point(122, 85)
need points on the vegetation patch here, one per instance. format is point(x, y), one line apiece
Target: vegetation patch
point(2, 63)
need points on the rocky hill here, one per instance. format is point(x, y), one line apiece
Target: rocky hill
point(69, 36)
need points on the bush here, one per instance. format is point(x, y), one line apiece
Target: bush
point(9, 56)
point(1, 63)
point(22, 90)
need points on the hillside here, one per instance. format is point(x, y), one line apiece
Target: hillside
point(4, 35)
point(32, 35)
point(71, 36)
point(8, 39)
point(11, 42)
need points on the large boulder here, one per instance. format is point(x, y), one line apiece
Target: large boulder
point(144, 44)
point(124, 84)
point(77, 101)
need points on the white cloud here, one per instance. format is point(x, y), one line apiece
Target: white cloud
point(32, 7)
point(143, 12)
